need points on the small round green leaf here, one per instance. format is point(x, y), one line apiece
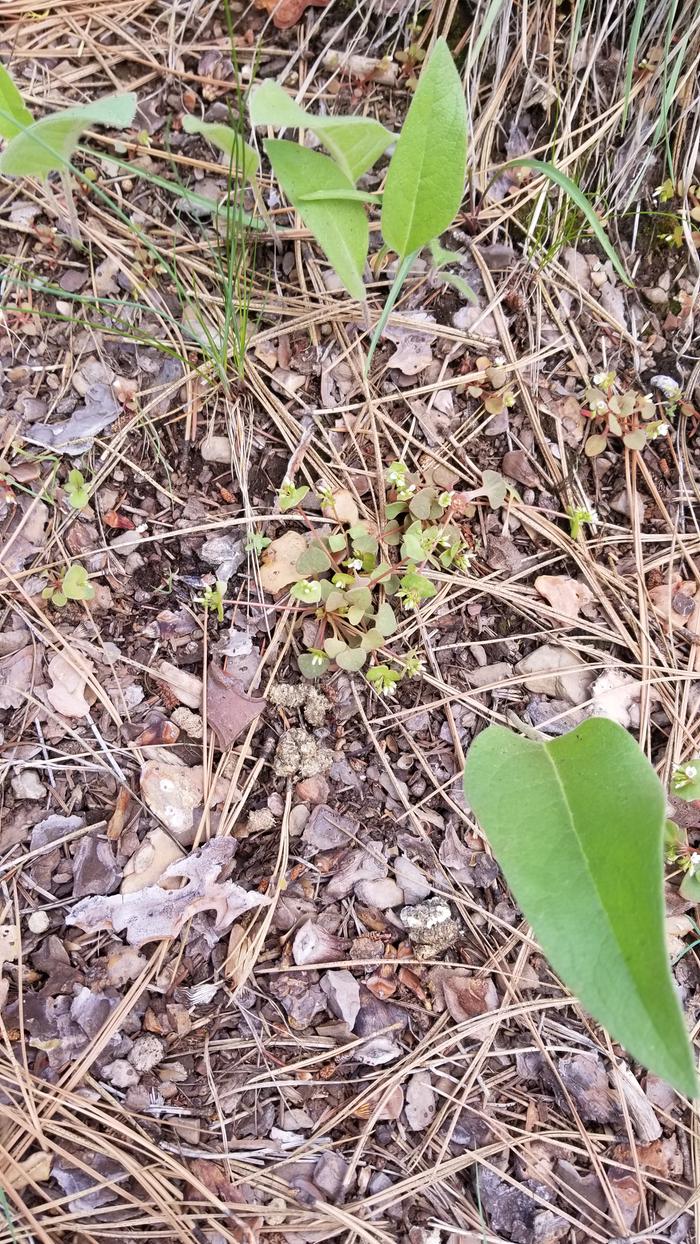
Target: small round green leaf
point(352, 659)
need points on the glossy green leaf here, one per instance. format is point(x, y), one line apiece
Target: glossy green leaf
point(580, 201)
point(425, 182)
point(243, 160)
point(340, 227)
point(355, 143)
point(577, 826)
point(14, 114)
point(47, 145)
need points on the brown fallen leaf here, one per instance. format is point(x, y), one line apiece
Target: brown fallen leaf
point(585, 1079)
point(154, 913)
point(229, 712)
point(662, 1157)
point(677, 604)
point(342, 506)
point(286, 13)
point(566, 596)
point(34, 1169)
point(464, 994)
point(278, 567)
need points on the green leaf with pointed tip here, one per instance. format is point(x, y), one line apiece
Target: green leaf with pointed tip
point(385, 620)
point(495, 487)
point(243, 160)
point(47, 145)
point(75, 584)
point(313, 560)
point(355, 143)
point(14, 114)
point(351, 659)
point(425, 182)
point(577, 827)
point(340, 227)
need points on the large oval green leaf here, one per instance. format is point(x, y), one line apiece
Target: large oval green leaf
point(14, 114)
point(47, 145)
point(339, 225)
point(577, 826)
point(425, 182)
point(353, 142)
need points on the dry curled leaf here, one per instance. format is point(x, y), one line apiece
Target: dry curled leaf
point(154, 912)
point(566, 596)
point(16, 677)
point(278, 565)
point(76, 435)
point(187, 688)
point(314, 944)
point(286, 13)
point(69, 678)
point(148, 863)
point(677, 604)
point(229, 712)
point(464, 994)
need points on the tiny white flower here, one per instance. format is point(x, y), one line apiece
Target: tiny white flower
point(390, 689)
point(354, 563)
point(694, 863)
point(691, 772)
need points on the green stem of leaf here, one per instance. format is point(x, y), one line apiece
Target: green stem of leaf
point(399, 281)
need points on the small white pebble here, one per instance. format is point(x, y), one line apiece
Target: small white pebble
point(38, 922)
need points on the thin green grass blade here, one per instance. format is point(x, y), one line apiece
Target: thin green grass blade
point(581, 202)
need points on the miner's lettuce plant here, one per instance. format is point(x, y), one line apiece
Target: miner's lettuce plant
point(577, 824)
